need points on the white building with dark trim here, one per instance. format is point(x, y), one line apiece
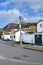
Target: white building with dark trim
point(37, 37)
point(39, 33)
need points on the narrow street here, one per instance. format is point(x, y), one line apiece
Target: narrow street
point(18, 56)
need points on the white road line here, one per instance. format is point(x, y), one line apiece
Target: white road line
point(23, 61)
point(3, 58)
point(20, 61)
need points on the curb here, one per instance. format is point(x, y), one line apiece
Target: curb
point(29, 47)
point(33, 49)
point(24, 47)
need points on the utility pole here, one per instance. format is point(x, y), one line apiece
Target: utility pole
point(20, 19)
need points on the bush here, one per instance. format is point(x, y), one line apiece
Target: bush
point(1, 32)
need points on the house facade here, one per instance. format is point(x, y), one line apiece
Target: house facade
point(5, 36)
point(37, 37)
point(16, 36)
point(39, 33)
point(40, 26)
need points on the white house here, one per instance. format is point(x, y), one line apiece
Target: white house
point(16, 36)
point(5, 37)
point(36, 38)
point(40, 26)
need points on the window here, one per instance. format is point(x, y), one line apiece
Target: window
point(10, 36)
point(40, 25)
point(14, 36)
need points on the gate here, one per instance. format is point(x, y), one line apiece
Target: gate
point(38, 39)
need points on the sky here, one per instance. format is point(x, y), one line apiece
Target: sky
point(30, 10)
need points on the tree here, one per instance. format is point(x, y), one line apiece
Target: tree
point(1, 32)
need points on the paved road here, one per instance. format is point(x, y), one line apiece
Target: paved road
point(18, 56)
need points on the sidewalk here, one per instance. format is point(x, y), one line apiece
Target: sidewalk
point(27, 46)
point(31, 47)
point(34, 47)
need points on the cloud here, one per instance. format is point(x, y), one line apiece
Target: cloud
point(18, 2)
point(10, 15)
point(13, 14)
point(4, 3)
point(31, 2)
point(34, 4)
point(34, 19)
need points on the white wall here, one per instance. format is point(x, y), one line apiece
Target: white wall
point(12, 37)
point(17, 36)
point(29, 38)
point(5, 37)
point(40, 29)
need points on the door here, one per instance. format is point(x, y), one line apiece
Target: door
point(38, 39)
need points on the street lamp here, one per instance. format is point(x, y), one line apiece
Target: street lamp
point(20, 19)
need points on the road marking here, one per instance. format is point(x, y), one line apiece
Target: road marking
point(3, 58)
point(20, 61)
point(23, 61)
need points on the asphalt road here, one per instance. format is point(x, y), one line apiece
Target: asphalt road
point(18, 56)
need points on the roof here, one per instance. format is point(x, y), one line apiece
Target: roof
point(39, 21)
point(6, 33)
point(27, 22)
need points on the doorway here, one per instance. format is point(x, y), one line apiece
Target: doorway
point(38, 39)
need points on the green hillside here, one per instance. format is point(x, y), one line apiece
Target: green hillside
point(16, 26)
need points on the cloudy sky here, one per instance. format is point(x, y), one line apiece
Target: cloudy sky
point(30, 10)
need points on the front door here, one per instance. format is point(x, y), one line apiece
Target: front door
point(38, 39)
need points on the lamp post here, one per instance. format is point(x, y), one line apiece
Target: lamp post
point(20, 19)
